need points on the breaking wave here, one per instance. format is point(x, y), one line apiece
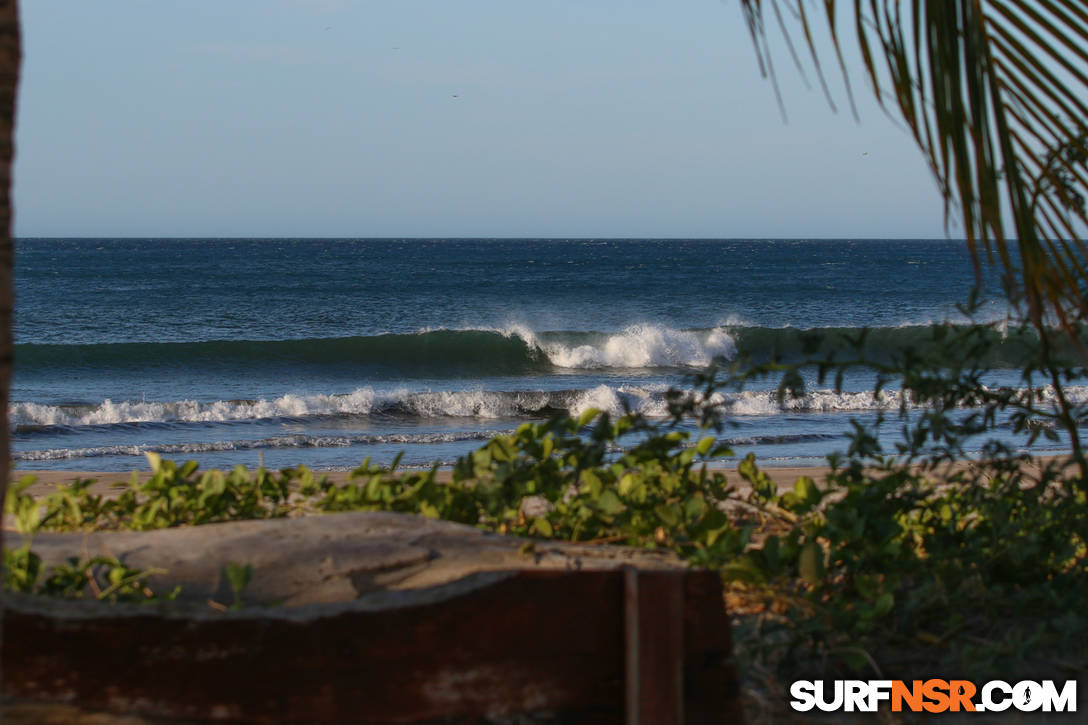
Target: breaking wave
point(36, 417)
point(508, 351)
point(649, 400)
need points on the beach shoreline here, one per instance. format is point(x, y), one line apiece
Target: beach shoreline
point(105, 482)
point(48, 480)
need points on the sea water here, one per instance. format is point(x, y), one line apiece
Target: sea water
point(329, 351)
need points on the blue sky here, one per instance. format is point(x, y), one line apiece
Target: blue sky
point(375, 118)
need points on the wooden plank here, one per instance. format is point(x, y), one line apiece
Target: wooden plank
point(711, 686)
point(537, 642)
point(654, 629)
point(632, 685)
point(548, 644)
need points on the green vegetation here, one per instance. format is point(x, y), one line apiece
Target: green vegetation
point(173, 496)
point(238, 576)
point(993, 93)
point(105, 577)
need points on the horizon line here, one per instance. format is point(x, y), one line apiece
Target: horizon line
point(494, 238)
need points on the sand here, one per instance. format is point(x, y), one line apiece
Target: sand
point(784, 477)
point(48, 481)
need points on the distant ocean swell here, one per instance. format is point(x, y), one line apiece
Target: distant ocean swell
point(515, 350)
point(29, 419)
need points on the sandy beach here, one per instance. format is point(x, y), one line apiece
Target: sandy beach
point(105, 481)
point(48, 481)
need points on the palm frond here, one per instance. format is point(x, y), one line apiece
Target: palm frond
point(995, 93)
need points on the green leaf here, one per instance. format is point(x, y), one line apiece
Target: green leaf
point(805, 488)
point(543, 527)
point(585, 418)
point(668, 515)
point(610, 503)
point(628, 483)
point(803, 497)
point(592, 483)
point(704, 445)
point(238, 576)
point(695, 507)
point(810, 564)
point(720, 451)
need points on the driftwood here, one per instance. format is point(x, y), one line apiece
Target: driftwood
point(383, 619)
point(331, 558)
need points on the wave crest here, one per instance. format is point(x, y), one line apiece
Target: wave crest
point(645, 346)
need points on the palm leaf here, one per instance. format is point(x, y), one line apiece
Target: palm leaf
point(994, 93)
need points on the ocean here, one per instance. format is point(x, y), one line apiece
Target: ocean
point(329, 351)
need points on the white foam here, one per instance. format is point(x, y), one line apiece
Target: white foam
point(358, 402)
point(637, 346)
point(648, 399)
point(291, 441)
point(818, 401)
point(361, 402)
point(470, 403)
point(642, 346)
point(830, 401)
point(485, 404)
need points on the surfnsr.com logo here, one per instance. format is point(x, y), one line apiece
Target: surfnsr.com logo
point(933, 696)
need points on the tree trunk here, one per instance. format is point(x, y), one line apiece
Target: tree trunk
point(10, 57)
